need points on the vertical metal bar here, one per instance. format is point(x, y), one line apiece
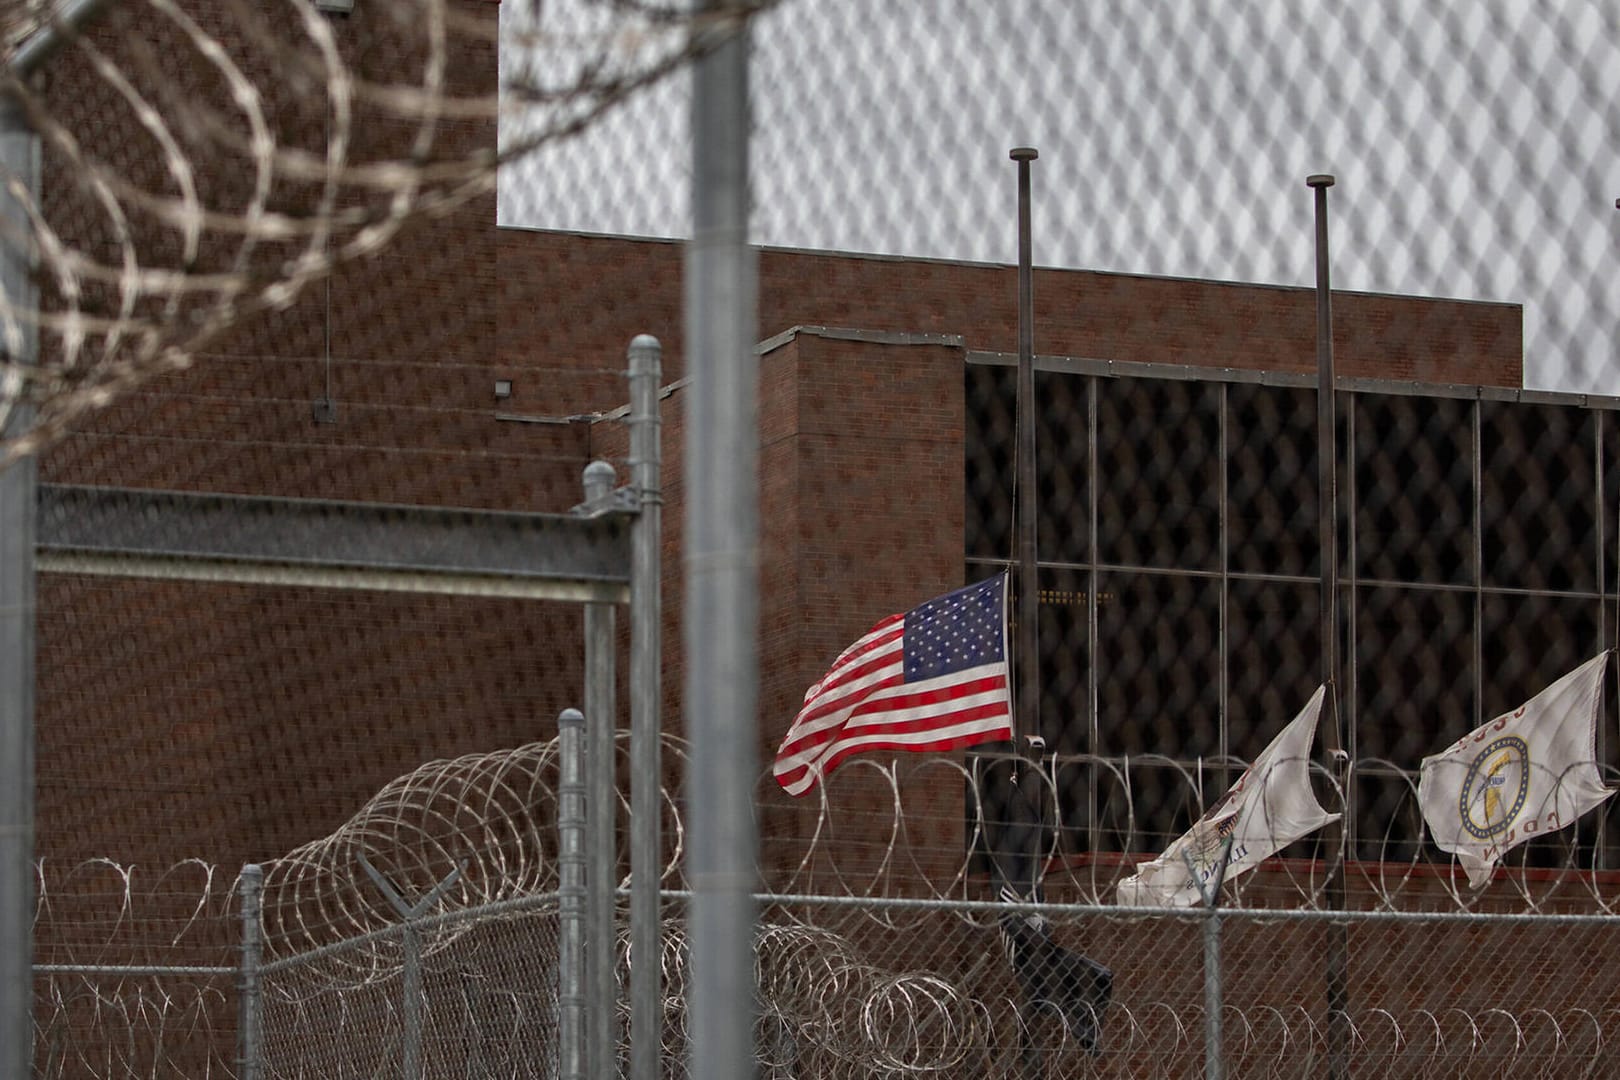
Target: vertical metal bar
point(1027, 701)
point(1602, 533)
point(1026, 718)
point(601, 801)
point(19, 484)
point(1214, 1036)
point(410, 1055)
point(1353, 592)
point(1095, 747)
point(19, 159)
point(570, 895)
point(411, 999)
point(1601, 745)
point(1477, 554)
point(646, 688)
point(1214, 987)
point(1327, 461)
point(249, 1002)
point(721, 560)
point(1337, 959)
point(1223, 776)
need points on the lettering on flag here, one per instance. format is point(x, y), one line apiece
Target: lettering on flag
point(1526, 773)
point(934, 678)
point(1269, 807)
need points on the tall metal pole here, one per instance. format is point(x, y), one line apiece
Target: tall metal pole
point(601, 803)
point(19, 158)
point(1029, 796)
point(1337, 957)
point(646, 705)
point(722, 558)
point(1026, 719)
point(19, 484)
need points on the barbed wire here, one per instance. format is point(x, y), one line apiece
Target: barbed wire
point(210, 165)
point(138, 966)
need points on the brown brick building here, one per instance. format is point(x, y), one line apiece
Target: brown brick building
point(234, 722)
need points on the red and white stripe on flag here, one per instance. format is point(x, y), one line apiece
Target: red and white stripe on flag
point(933, 679)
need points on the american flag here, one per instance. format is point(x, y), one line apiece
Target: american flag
point(934, 678)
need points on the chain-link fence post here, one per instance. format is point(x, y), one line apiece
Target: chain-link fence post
point(571, 893)
point(722, 560)
point(19, 175)
point(1214, 1039)
point(601, 851)
point(249, 1002)
point(646, 702)
point(410, 1054)
point(1214, 1068)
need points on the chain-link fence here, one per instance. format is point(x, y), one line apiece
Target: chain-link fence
point(432, 943)
point(308, 306)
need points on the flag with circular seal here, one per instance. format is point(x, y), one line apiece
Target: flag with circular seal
point(1527, 773)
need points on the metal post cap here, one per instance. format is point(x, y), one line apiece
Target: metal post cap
point(1319, 180)
point(1023, 153)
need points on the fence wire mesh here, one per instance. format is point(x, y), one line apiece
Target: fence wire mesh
point(865, 966)
point(391, 253)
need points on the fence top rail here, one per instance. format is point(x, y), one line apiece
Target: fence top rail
point(124, 530)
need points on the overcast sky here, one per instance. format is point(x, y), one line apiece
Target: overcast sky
point(1476, 146)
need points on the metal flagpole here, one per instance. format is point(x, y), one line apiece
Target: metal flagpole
point(1026, 716)
point(1027, 794)
point(1335, 834)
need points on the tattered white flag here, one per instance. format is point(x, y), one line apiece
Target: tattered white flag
point(1527, 773)
point(1270, 807)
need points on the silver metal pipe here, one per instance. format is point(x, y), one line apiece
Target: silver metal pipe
point(1214, 992)
point(721, 564)
point(646, 695)
point(601, 803)
point(249, 1004)
point(570, 896)
point(19, 157)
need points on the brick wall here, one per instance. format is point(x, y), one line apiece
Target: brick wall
point(570, 302)
point(190, 720)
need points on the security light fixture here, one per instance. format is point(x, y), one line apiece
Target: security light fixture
point(503, 389)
